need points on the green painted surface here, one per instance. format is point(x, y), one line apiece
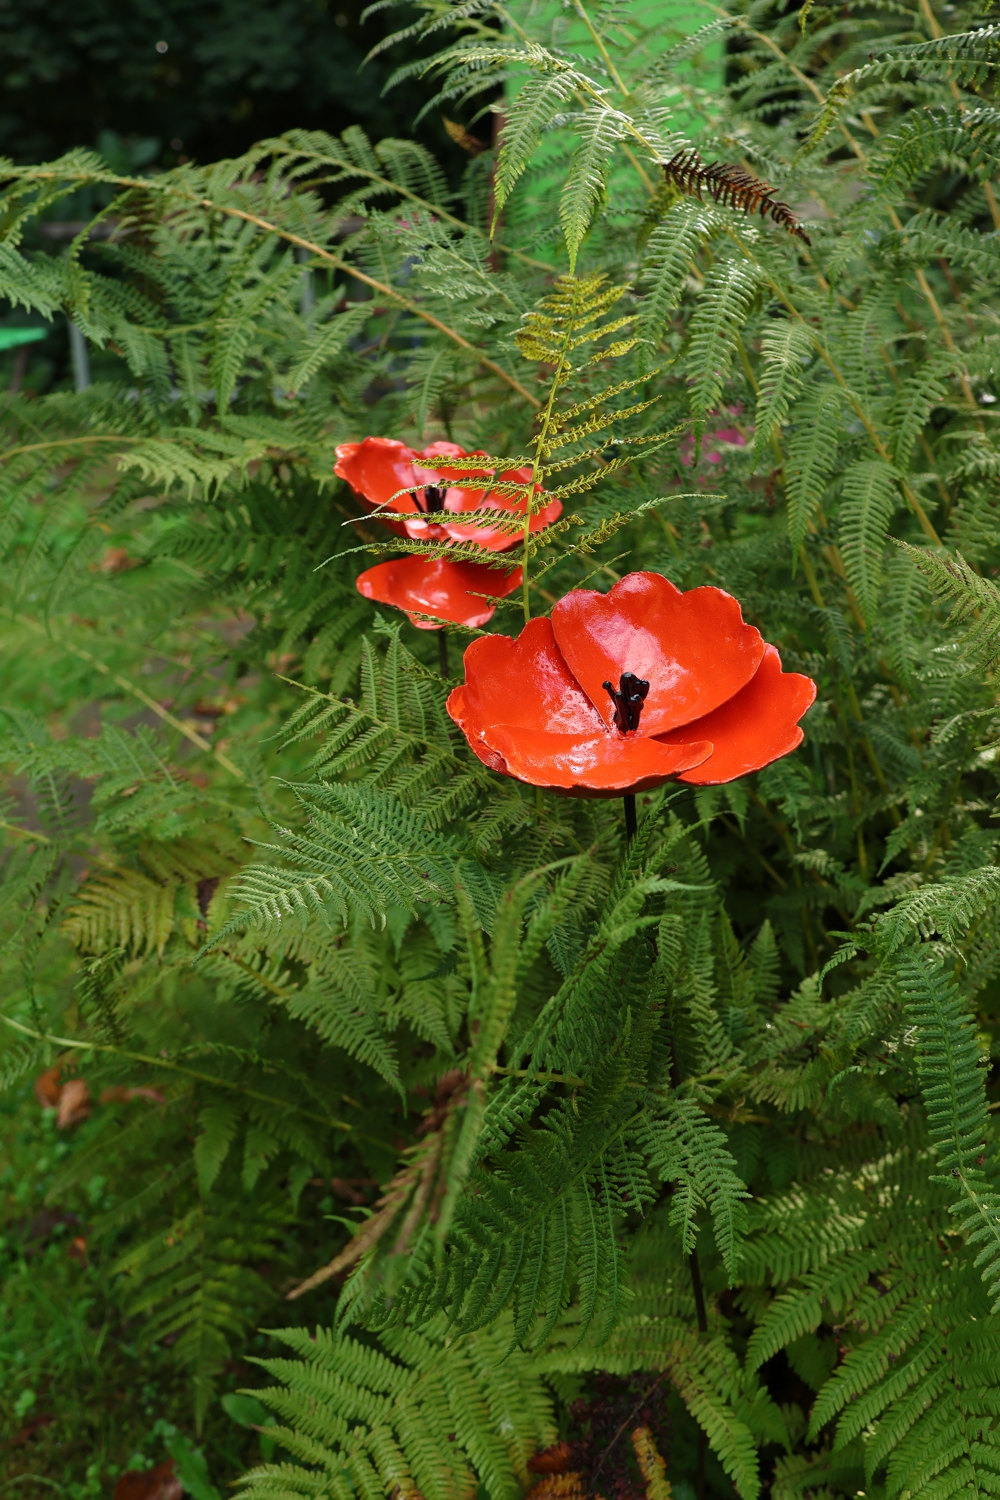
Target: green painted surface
point(11, 337)
point(648, 27)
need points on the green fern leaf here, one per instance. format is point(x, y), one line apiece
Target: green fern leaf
point(600, 128)
point(218, 1128)
point(870, 497)
point(722, 310)
point(786, 349)
point(812, 457)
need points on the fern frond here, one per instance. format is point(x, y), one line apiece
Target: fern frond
point(952, 1083)
point(975, 599)
point(432, 1415)
point(786, 349)
point(600, 128)
point(722, 310)
point(683, 1146)
point(870, 497)
point(127, 911)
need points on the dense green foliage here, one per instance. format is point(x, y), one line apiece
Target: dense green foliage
point(252, 866)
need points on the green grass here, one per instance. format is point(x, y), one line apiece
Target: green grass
point(66, 1351)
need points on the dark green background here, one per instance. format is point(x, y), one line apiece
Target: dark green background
point(234, 71)
point(88, 73)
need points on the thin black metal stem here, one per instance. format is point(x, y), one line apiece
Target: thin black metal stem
point(699, 1295)
point(630, 819)
point(702, 1316)
point(443, 652)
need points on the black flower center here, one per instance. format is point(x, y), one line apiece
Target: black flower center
point(628, 700)
point(433, 499)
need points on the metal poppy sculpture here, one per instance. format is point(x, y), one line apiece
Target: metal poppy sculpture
point(401, 486)
point(621, 692)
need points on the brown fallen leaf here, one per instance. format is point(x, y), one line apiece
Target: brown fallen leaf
point(33, 1425)
point(160, 1483)
point(282, 661)
point(461, 137)
point(48, 1087)
point(74, 1104)
point(77, 1249)
point(117, 560)
point(571, 1486)
point(206, 889)
point(558, 1459)
point(119, 1094)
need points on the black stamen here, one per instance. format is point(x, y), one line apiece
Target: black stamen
point(433, 499)
point(628, 700)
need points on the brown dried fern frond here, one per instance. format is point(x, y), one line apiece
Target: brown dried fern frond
point(732, 185)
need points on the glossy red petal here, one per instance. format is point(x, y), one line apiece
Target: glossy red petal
point(595, 765)
point(523, 683)
point(439, 587)
point(376, 469)
point(481, 533)
point(693, 648)
point(445, 450)
point(759, 724)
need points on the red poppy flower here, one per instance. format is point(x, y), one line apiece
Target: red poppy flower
point(620, 692)
point(438, 586)
point(377, 468)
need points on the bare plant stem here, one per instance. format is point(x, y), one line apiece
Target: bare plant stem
point(631, 823)
point(268, 226)
point(702, 1317)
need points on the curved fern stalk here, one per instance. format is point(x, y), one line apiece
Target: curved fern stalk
point(187, 189)
point(969, 58)
point(167, 1065)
